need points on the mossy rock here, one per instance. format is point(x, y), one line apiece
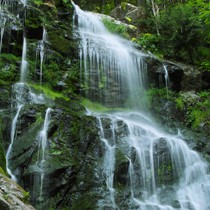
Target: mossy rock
point(60, 42)
point(85, 203)
point(121, 169)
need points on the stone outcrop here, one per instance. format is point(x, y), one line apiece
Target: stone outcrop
point(182, 77)
point(127, 12)
point(12, 196)
point(71, 144)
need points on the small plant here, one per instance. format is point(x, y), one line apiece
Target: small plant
point(26, 196)
point(6, 196)
point(179, 103)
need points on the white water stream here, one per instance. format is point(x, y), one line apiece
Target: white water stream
point(41, 51)
point(166, 79)
point(42, 140)
point(163, 173)
point(24, 63)
point(106, 64)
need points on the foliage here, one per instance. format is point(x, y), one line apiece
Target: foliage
point(37, 2)
point(10, 58)
point(26, 196)
point(196, 109)
point(184, 30)
point(149, 42)
point(179, 103)
point(155, 93)
point(101, 6)
point(8, 68)
point(199, 115)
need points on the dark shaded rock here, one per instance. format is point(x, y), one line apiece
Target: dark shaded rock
point(71, 155)
point(205, 80)
point(164, 173)
point(4, 98)
point(156, 74)
point(121, 169)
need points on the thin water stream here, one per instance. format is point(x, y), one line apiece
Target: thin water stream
point(40, 164)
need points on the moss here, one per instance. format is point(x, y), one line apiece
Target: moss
point(8, 68)
point(48, 92)
point(2, 171)
point(164, 174)
point(119, 29)
point(97, 107)
point(196, 107)
point(59, 42)
point(179, 103)
point(85, 203)
point(93, 106)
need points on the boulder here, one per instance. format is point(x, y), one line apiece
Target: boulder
point(121, 10)
point(13, 196)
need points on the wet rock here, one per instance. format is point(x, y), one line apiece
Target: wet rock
point(13, 196)
point(121, 169)
point(71, 145)
point(156, 74)
point(4, 98)
point(164, 173)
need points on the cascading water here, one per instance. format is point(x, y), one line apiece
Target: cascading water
point(24, 62)
point(3, 21)
point(166, 79)
point(40, 164)
point(41, 50)
point(109, 160)
point(24, 2)
point(9, 150)
point(160, 172)
point(23, 94)
point(117, 72)
point(19, 101)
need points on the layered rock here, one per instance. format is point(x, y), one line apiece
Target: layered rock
point(13, 196)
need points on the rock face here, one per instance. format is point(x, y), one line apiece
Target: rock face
point(128, 12)
point(13, 196)
point(69, 156)
point(182, 77)
point(70, 174)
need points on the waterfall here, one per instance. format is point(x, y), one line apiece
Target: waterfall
point(19, 100)
point(24, 63)
point(115, 71)
point(24, 2)
point(166, 76)
point(41, 50)
point(9, 150)
point(2, 31)
point(109, 160)
point(3, 20)
point(156, 171)
point(40, 164)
